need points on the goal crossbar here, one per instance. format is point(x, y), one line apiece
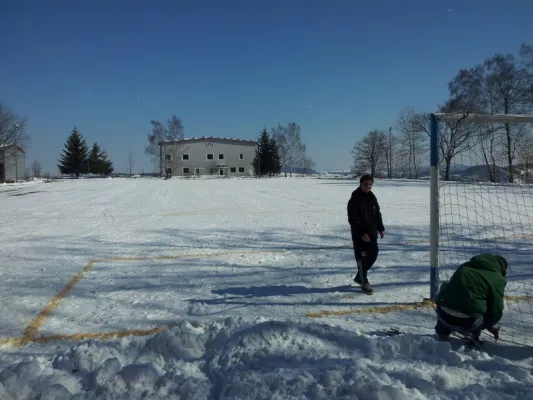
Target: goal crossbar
point(498, 118)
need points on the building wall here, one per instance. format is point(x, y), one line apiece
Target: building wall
point(190, 157)
point(13, 166)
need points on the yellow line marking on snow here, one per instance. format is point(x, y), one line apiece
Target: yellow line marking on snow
point(99, 335)
point(175, 257)
point(519, 298)
point(37, 322)
point(21, 341)
point(417, 242)
point(426, 303)
point(33, 327)
point(31, 330)
point(11, 342)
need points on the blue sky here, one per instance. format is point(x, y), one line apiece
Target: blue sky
point(229, 68)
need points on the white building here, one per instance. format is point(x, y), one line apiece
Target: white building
point(209, 156)
point(12, 163)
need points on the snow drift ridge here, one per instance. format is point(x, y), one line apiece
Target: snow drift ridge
point(257, 359)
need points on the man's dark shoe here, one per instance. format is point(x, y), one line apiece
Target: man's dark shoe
point(367, 288)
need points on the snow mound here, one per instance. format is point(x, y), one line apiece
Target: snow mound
point(238, 359)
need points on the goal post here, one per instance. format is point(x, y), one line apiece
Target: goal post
point(481, 201)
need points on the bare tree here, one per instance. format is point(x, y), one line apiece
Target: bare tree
point(304, 160)
point(367, 153)
point(293, 145)
point(291, 150)
point(12, 128)
point(161, 139)
point(130, 162)
point(413, 139)
point(13, 136)
point(155, 144)
point(175, 129)
point(36, 169)
point(488, 143)
point(526, 155)
point(388, 147)
point(526, 55)
point(454, 136)
point(173, 147)
point(524, 150)
point(307, 164)
point(501, 85)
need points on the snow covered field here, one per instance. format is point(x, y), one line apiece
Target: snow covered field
point(229, 288)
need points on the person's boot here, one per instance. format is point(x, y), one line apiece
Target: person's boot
point(359, 276)
point(367, 288)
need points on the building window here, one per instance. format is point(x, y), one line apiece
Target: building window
point(168, 157)
point(185, 171)
point(210, 156)
point(241, 170)
point(241, 156)
point(221, 156)
point(185, 157)
point(233, 170)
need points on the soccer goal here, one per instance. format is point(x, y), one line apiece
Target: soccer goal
point(482, 202)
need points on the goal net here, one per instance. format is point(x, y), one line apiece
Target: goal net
point(482, 202)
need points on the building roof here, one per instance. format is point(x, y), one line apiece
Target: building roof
point(211, 139)
point(4, 147)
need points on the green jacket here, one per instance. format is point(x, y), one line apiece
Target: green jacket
point(477, 288)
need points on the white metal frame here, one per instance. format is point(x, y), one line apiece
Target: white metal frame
point(434, 177)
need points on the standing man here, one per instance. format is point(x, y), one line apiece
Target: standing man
point(364, 217)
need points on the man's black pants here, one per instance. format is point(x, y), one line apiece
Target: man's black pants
point(448, 323)
point(366, 254)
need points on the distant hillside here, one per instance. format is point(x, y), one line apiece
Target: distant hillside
point(454, 169)
point(298, 170)
point(459, 172)
point(481, 173)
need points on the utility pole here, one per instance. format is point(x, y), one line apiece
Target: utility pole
point(161, 159)
point(390, 152)
point(16, 155)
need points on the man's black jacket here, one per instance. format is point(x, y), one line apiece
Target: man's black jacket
point(364, 214)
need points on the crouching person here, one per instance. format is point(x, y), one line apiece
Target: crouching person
point(472, 300)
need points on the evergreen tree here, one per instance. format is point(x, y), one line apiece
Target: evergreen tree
point(105, 165)
point(261, 166)
point(94, 159)
point(275, 157)
point(73, 160)
point(266, 160)
point(98, 162)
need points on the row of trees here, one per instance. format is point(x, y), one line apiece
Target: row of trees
point(281, 149)
point(502, 84)
point(76, 158)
